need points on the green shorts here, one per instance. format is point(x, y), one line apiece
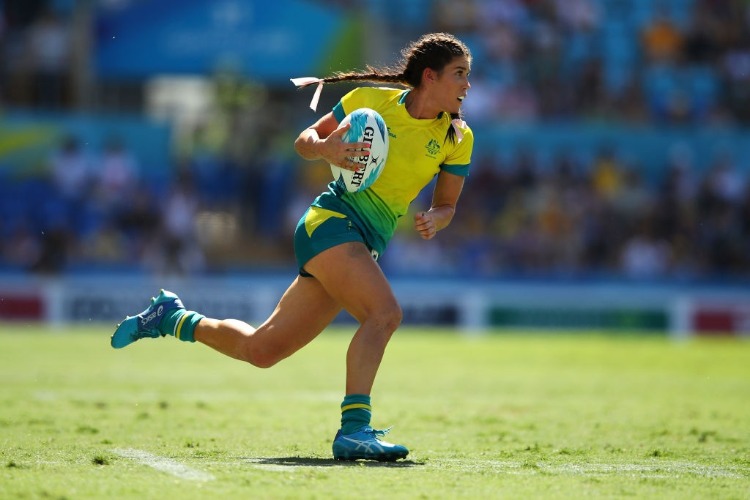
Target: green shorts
point(325, 224)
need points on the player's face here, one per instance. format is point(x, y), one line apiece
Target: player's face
point(454, 83)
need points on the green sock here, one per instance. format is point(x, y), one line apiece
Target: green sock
point(355, 412)
point(181, 324)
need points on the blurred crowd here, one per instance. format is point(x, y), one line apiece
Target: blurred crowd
point(663, 61)
point(598, 219)
point(39, 55)
point(224, 208)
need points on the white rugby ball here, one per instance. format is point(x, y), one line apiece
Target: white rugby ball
point(366, 126)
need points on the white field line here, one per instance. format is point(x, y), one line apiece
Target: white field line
point(164, 464)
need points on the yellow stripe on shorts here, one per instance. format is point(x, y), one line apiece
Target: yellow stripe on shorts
point(317, 216)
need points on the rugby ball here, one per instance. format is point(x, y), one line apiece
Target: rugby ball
point(366, 126)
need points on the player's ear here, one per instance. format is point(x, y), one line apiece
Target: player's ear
point(429, 75)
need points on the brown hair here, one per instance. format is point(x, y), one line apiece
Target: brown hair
point(433, 50)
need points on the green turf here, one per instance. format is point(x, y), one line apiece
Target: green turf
point(501, 416)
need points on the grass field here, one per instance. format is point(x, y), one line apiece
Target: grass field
point(500, 416)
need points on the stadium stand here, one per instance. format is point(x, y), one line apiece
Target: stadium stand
point(611, 142)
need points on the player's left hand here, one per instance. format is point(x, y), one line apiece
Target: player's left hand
point(424, 225)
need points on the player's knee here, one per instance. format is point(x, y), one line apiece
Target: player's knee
point(396, 317)
point(260, 357)
point(389, 317)
point(264, 361)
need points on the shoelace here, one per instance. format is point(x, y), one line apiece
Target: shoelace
point(379, 432)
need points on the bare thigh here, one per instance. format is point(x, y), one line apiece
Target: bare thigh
point(302, 313)
point(353, 279)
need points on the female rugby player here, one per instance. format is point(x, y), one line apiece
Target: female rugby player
point(340, 236)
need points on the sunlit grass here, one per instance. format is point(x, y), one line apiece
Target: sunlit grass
point(507, 415)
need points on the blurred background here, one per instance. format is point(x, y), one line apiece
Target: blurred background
point(146, 141)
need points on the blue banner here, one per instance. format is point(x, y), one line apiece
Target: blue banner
point(269, 41)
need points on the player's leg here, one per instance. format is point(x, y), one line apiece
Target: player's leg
point(352, 277)
point(303, 312)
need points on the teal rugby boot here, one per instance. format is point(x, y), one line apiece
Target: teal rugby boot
point(147, 323)
point(366, 444)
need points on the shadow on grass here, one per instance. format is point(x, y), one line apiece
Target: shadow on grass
point(327, 462)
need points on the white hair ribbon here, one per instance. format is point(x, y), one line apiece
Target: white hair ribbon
point(309, 80)
point(457, 122)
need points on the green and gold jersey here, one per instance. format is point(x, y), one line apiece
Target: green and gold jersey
point(418, 150)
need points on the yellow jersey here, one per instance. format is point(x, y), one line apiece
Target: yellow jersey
point(418, 150)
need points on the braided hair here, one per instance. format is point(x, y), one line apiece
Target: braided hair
point(433, 50)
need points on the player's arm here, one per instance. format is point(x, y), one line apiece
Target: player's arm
point(323, 140)
point(444, 199)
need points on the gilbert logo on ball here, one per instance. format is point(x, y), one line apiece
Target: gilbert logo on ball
point(366, 126)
